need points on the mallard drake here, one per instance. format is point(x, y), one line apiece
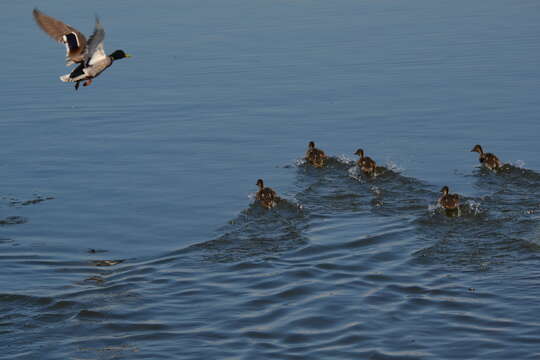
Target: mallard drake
point(266, 196)
point(90, 54)
point(489, 160)
point(365, 163)
point(314, 156)
point(448, 201)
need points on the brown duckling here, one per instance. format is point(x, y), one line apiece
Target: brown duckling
point(314, 156)
point(489, 160)
point(365, 163)
point(448, 201)
point(266, 196)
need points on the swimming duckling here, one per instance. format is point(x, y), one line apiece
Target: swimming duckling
point(266, 196)
point(365, 163)
point(90, 54)
point(314, 156)
point(489, 160)
point(448, 201)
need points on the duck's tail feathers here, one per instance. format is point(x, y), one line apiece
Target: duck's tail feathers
point(77, 74)
point(66, 78)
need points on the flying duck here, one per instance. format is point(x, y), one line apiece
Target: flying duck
point(90, 54)
point(314, 156)
point(365, 163)
point(448, 201)
point(266, 196)
point(489, 160)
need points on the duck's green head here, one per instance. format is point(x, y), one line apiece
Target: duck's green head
point(119, 54)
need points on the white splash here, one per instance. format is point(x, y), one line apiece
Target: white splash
point(432, 208)
point(345, 160)
point(375, 190)
point(474, 206)
point(519, 164)
point(354, 172)
point(392, 166)
point(300, 162)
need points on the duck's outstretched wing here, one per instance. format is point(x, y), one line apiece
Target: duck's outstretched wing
point(73, 39)
point(95, 51)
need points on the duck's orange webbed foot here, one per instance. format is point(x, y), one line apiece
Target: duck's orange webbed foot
point(88, 82)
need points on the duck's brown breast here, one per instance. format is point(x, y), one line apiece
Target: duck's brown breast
point(267, 197)
point(367, 165)
point(316, 157)
point(449, 201)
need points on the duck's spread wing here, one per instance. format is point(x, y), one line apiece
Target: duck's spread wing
point(63, 33)
point(96, 52)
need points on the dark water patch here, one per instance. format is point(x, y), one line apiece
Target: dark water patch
point(106, 352)
point(13, 220)
point(110, 290)
point(16, 299)
point(62, 305)
point(38, 199)
point(96, 251)
point(45, 318)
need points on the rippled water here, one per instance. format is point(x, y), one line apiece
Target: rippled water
point(127, 223)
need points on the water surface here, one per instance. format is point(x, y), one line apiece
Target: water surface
point(127, 223)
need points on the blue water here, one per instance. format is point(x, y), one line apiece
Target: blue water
point(127, 223)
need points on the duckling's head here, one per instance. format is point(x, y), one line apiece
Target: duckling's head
point(119, 54)
point(359, 152)
point(477, 148)
point(260, 183)
point(445, 190)
point(311, 145)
